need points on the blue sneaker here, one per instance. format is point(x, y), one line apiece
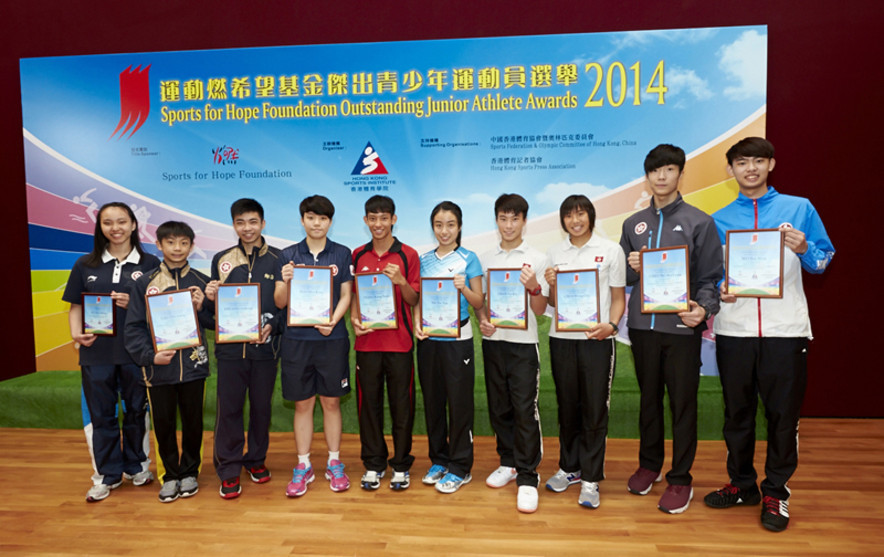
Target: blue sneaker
point(434, 474)
point(451, 483)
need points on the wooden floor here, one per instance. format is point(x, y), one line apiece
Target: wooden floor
point(837, 507)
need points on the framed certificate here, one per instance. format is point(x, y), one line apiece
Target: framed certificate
point(577, 300)
point(238, 313)
point(310, 297)
point(98, 314)
point(440, 307)
point(376, 301)
point(753, 263)
point(172, 318)
point(507, 299)
point(665, 280)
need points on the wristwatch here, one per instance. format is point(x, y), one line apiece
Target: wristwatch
point(616, 328)
point(536, 291)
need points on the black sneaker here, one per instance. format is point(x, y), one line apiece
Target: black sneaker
point(230, 488)
point(775, 514)
point(730, 495)
point(259, 474)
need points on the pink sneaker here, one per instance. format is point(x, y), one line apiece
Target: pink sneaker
point(301, 476)
point(337, 479)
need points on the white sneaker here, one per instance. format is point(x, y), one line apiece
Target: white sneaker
point(100, 491)
point(526, 501)
point(141, 478)
point(589, 495)
point(501, 477)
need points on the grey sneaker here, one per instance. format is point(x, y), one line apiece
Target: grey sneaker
point(589, 495)
point(141, 478)
point(452, 482)
point(561, 480)
point(100, 491)
point(189, 487)
point(169, 491)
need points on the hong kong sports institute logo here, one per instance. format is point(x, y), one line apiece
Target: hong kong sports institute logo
point(134, 100)
point(369, 163)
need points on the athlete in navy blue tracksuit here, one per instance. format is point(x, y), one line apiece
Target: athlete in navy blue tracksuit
point(246, 367)
point(107, 369)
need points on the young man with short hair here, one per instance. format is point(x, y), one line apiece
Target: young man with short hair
point(761, 343)
point(316, 360)
point(386, 355)
point(512, 359)
point(245, 367)
point(175, 379)
point(666, 346)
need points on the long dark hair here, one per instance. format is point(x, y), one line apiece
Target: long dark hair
point(100, 242)
point(458, 214)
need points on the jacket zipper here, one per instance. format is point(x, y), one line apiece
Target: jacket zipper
point(755, 207)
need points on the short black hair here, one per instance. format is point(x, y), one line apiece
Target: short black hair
point(246, 205)
point(664, 155)
point(511, 203)
point(380, 204)
point(318, 204)
point(573, 203)
point(750, 147)
point(173, 228)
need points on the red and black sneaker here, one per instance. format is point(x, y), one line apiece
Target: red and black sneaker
point(230, 489)
point(774, 513)
point(731, 495)
point(259, 474)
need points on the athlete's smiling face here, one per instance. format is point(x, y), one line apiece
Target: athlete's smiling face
point(380, 225)
point(248, 227)
point(117, 226)
point(446, 229)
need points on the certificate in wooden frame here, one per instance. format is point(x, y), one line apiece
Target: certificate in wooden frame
point(177, 328)
point(507, 299)
point(238, 313)
point(665, 280)
point(753, 263)
point(440, 307)
point(99, 314)
point(376, 301)
point(587, 313)
point(308, 285)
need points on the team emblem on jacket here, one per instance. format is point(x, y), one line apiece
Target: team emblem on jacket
point(786, 225)
point(599, 258)
point(225, 267)
point(334, 269)
point(136, 275)
point(153, 290)
point(641, 227)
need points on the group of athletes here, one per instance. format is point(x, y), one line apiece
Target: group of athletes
point(761, 348)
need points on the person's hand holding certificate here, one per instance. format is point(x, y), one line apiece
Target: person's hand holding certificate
point(665, 280)
point(376, 301)
point(172, 318)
